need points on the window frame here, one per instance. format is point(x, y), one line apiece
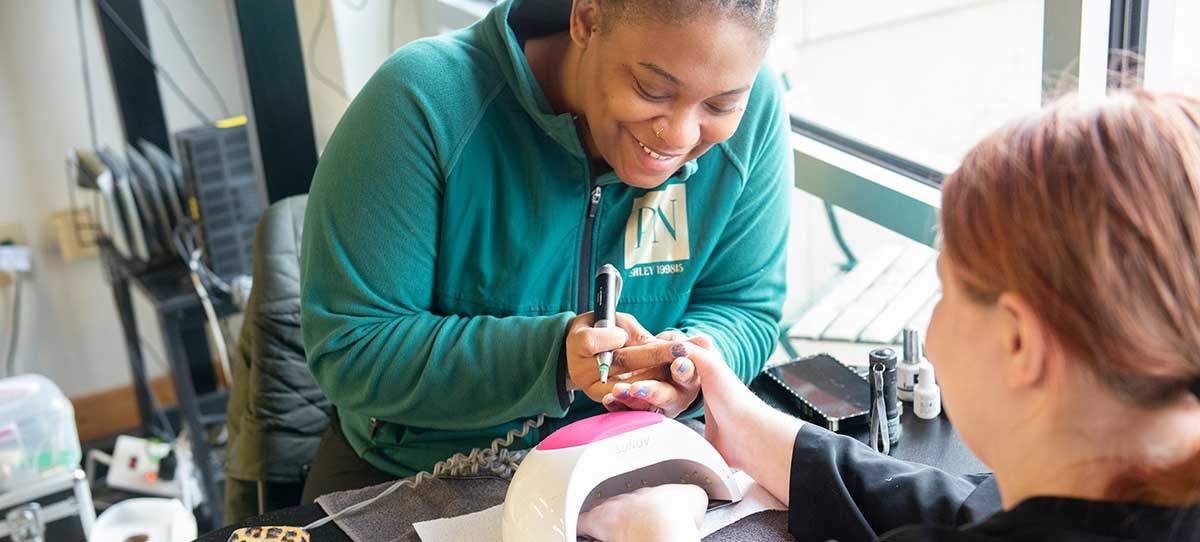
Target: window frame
point(894, 194)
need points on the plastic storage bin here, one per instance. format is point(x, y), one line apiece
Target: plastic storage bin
point(38, 438)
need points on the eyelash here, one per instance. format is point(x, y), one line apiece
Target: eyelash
point(646, 95)
point(718, 111)
point(642, 91)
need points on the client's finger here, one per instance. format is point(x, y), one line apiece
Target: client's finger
point(648, 395)
point(703, 341)
point(624, 396)
point(672, 335)
point(612, 404)
point(633, 358)
point(683, 372)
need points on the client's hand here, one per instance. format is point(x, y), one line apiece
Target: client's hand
point(630, 343)
point(664, 513)
point(667, 382)
point(726, 398)
point(698, 366)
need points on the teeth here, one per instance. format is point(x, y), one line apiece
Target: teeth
point(653, 154)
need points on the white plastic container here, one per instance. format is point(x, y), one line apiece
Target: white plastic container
point(37, 431)
point(148, 520)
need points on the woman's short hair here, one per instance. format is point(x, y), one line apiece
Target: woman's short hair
point(759, 15)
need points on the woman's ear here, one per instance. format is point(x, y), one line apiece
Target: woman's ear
point(1025, 344)
point(585, 21)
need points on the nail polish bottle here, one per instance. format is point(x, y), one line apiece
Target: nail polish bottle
point(906, 372)
point(927, 397)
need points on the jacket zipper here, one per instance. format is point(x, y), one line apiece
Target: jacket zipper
point(585, 254)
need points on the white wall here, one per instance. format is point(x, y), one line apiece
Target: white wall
point(352, 43)
point(70, 330)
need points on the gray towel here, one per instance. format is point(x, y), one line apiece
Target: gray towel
point(391, 519)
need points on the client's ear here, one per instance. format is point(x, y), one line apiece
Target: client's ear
point(1026, 345)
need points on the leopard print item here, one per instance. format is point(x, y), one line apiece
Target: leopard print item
point(269, 534)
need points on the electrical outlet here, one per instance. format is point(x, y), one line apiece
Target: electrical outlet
point(76, 233)
point(136, 467)
point(15, 258)
point(10, 233)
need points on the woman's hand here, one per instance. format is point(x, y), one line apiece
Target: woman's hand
point(674, 386)
point(671, 513)
point(726, 399)
point(634, 353)
point(697, 365)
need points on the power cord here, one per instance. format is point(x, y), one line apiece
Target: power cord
point(15, 324)
point(187, 49)
point(185, 246)
point(210, 314)
point(392, 27)
point(312, 50)
point(167, 432)
point(87, 79)
point(145, 51)
point(499, 461)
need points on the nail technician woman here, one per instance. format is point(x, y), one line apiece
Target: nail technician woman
point(473, 188)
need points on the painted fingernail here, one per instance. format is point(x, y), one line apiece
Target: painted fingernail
point(679, 351)
point(643, 392)
point(683, 367)
point(625, 393)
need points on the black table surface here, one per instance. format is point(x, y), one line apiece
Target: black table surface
point(931, 442)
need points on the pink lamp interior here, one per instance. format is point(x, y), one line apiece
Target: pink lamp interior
point(597, 428)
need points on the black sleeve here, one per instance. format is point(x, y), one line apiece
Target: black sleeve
point(842, 489)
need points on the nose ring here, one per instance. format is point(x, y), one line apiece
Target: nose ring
point(659, 131)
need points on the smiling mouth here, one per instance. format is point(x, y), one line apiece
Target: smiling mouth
point(655, 155)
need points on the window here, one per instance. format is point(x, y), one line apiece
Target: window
point(1173, 50)
point(911, 85)
point(1184, 66)
point(842, 297)
point(923, 80)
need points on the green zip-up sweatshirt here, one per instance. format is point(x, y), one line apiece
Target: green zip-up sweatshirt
point(453, 228)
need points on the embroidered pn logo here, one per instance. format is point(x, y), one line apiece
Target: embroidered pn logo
point(657, 230)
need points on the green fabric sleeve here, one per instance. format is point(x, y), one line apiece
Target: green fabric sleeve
point(738, 298)
point(374, 340)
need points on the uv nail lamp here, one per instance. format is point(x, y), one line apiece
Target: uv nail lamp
point(584, 463)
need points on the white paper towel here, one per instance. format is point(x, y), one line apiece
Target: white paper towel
point(484, 526)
